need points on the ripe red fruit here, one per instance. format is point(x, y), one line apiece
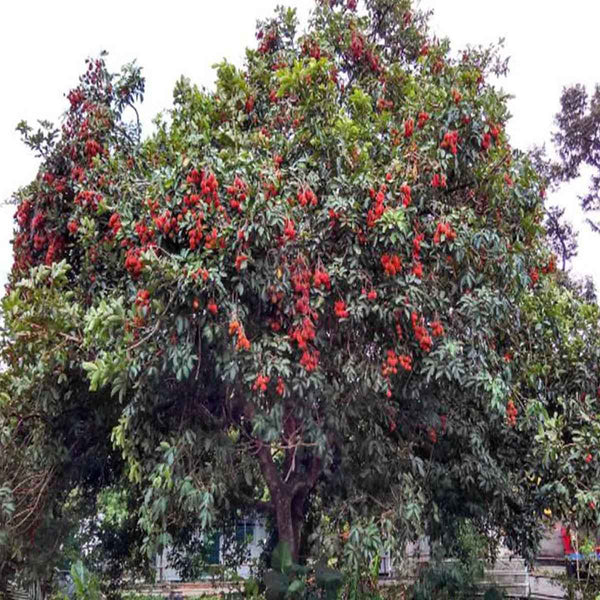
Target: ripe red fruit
point(341, 311)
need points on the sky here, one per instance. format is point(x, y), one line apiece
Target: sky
point(43, 46)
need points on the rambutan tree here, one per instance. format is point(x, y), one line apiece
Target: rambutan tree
point(300, 296)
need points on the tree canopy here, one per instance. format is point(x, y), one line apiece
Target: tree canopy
point(320, 292)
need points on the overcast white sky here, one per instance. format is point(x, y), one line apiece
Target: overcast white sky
point(43, 46)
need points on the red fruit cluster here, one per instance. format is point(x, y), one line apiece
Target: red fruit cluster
point(240, 259)
point(310, 360)
point(511, 413)
point(438, 181)
point(375, 212)
point(416, 251)
point(390, 366)
point(334, 216)
point(321, 279)
point(92, 148)
point(311, 48)
point(280, 389)
point(194, 177)
point(444, 229)
point(88, 199)
point(38, 221)
point(422, 118)
point(534, 275)
point(550, 267)
point(437, 329)
point(166, 222)
point(236, 329)
point(268, 41)
point(417, 270)
point(289, 230)
point(115, 223)
point(22, 214)
point(195, 234)
point(301, 278)
point(357, 46)
point(55, 248)
point(371, 295)
point(133, 262)
point(341, 312)
point(73, 226)
point(392, 265)
point(77, 174)
point(200, 273)
point(75, 97)
point(494, 131)
point(421, 334)
point(588, 458)
point(450, 141)
point(304, 334)
point(384, 104)
point(237, 194)
point(208, 185)
point(143, 232)
point(261, 383)
point(307, 196)
point(409, 127)
point(405, 191)
point(486, 141)
point(142, 298)
point(212, 307)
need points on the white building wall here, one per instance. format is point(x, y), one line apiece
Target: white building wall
point(254, 531)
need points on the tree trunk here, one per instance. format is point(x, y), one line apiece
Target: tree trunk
point(285, 522)
point(288, 498)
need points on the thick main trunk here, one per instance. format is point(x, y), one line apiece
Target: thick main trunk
point(288, 498)
point(289, 513)
point(285, 523)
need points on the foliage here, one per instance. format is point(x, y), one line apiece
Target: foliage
point(287, 579)
point(87, 586)
point(214, 554)
point(578, 141)
point(581, 578)
point(455, 570)
point(313, 290)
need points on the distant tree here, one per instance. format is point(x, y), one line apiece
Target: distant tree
point(578, 142)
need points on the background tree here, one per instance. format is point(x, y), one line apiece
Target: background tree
point(578, 142)
point(301, 295)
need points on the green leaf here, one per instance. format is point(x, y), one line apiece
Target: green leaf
point(281, 559)
point(276, 584)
